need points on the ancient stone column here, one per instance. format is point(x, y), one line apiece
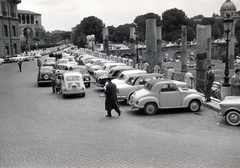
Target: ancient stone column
point(201, 57)
point(209, 44)
point(159, 48)
point(151, 43)
point(105, 40)
point(132, 43)
point(184, 49)
point(231, 46)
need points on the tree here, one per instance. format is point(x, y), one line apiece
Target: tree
point(172, 21)
point(122, 33)
point(111, 30)
point(92, 25)
point(141, 24)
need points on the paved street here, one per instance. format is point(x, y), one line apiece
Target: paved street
point(39, 129)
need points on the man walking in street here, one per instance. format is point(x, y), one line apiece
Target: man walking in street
point(19, 62)
point(111, 101)
point(208, 84)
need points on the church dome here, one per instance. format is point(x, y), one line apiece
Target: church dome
point(228, 8)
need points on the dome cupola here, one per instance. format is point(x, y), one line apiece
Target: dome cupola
point(228, 8)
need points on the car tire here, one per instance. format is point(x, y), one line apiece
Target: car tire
point(83, 95)
point(233, 118)
point(150, 108)
point(39, 84)
point(64, 96)
point(194, 106)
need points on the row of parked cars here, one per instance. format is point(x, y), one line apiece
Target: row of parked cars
point(142, 90)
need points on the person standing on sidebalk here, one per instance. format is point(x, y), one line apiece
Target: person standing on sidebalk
point(111, 101)
point(208, 84)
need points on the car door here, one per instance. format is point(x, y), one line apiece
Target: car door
point(170, 96)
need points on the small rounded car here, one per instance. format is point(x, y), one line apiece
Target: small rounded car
point(45, 75)
point(165, 94)
point(230, 109)
point(72, 84)
point(49, 62)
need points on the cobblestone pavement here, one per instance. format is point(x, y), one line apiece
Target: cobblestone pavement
point(42, 130)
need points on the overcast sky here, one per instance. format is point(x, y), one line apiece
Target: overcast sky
point(65, 14)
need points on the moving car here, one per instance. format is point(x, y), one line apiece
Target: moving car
point(135, 82)
point(45, 75)
point(86, 76)
point(72, 84)
point(112, 73)
point(165, 94)
point(230, 109)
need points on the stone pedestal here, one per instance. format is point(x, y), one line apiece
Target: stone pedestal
point(225, 91)
point(184, 49)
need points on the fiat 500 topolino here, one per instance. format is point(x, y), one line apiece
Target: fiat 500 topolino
point(165, 94)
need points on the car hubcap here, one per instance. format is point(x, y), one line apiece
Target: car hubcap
point(234, 118)
point(194, 106)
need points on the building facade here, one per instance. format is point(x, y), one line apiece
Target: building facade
point(30, 27)
point(9, 28)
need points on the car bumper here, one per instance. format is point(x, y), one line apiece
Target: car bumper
point(122, 97)
point(73, 92)
point(44, 81)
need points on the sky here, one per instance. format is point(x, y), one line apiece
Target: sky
point(65, 14)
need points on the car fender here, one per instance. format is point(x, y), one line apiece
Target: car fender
point(189, 98)
point(230, 109)
point(144, 100)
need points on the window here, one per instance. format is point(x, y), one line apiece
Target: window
point(15, 48)
point(12, 11)
point(14, 31)
point(6, 30)
point(7, 50)
point(4, 11)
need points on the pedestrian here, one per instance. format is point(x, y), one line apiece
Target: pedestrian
point(170, 73)
point(235, 83)
point(80, 61)
point(111, 101)
point(146, 66)
point(53, 78)
point(208, 84)
point(19, 62)
point(39, 64)
point(58, 84)
point(188, 79)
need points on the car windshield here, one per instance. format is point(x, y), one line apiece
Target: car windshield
point(81, 70)
point(110, 72)
point(148, 86)
point(46, 70)
point(121, 77)
point(131, 80)
point(73, 78)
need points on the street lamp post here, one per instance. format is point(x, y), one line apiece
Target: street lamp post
point(228, 24)
point(136, 35)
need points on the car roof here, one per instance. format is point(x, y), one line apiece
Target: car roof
point(47, 67)
point(147, 74)
point(154, 81)
point(131, 71)
point(122, 67)
point(72, 73)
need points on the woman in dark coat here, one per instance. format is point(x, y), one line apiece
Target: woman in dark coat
point(111, 101)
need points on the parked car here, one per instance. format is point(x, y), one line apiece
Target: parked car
point(135, 82)
point(63, 67)
point(106, 68)
point(45, 75)
point(17, 57)
point(72, 84)
point(86, 76)
point(112, 73)
point(124, 76)
point(230, 109)
point(165, 94)
point(93, 68)
point(7, 59)
point(62, 60)
point(49, 62)
point(1, 61)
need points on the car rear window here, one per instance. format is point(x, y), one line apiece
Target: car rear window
point(73, 78)
point(148, 86)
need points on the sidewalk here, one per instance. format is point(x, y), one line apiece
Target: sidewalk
point(213, 104)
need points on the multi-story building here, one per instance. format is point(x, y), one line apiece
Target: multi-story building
point(31, 29)
point(9, 28)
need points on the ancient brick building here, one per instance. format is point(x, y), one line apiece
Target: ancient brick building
point(9, 29)
point(31, 29)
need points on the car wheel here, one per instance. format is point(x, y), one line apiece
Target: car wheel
point(150, 108)
point(88, 85)
point(39, 84)
point(83, 95)
point(233, 118)
point(194, 106)
point(64, 96)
